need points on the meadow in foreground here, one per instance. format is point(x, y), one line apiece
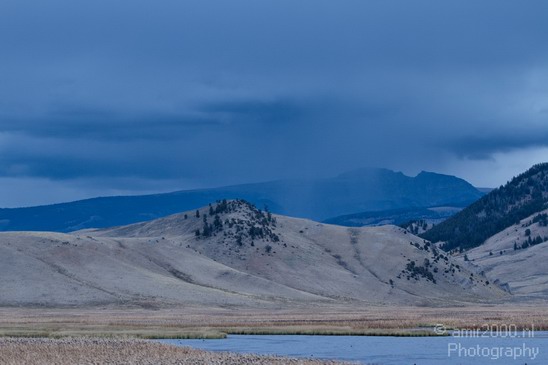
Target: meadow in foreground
point(76, 351)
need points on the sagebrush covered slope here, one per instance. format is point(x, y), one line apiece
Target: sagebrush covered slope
point(516, 257)
point(232, 254)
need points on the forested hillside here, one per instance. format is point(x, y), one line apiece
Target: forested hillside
point(523, 196)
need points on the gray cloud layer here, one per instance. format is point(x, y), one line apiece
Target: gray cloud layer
point(209, 93)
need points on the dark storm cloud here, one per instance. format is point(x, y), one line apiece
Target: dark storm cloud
point(100, 125)
point(481, 147)
point(224, 92)
point(257, 111)
point(70, 122)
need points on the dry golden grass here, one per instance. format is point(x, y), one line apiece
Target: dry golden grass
point(76, 351)
point(216, 323)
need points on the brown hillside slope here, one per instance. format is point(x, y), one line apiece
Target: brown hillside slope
point(244, 258)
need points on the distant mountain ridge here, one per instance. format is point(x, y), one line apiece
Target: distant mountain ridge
point(317, 199)
point(394, 216)
point(520, 198)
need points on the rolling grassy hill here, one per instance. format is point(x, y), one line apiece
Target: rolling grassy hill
point(231, 254)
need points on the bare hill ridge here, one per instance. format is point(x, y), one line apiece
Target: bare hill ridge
point(232, 254)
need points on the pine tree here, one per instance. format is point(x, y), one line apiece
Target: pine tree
point(207, 230)
point(217, 223)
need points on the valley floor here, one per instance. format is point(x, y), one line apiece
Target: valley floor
point(216, 323)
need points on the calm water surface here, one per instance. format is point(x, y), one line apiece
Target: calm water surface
point(389, 350)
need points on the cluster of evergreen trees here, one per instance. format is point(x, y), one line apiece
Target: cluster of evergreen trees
point(210, 228)
point(541, 219)
point(257, 225)
point(419, 271)
point(415, 226)
point(525, 195)
point(530, 242)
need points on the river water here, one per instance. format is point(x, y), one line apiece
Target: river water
point(530, 349)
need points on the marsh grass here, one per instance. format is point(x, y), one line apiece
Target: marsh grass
point(207, 323)
point(107, 334)
point(70, 351)
point(329, 332)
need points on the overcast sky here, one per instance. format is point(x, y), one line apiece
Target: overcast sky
point(125, 97)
